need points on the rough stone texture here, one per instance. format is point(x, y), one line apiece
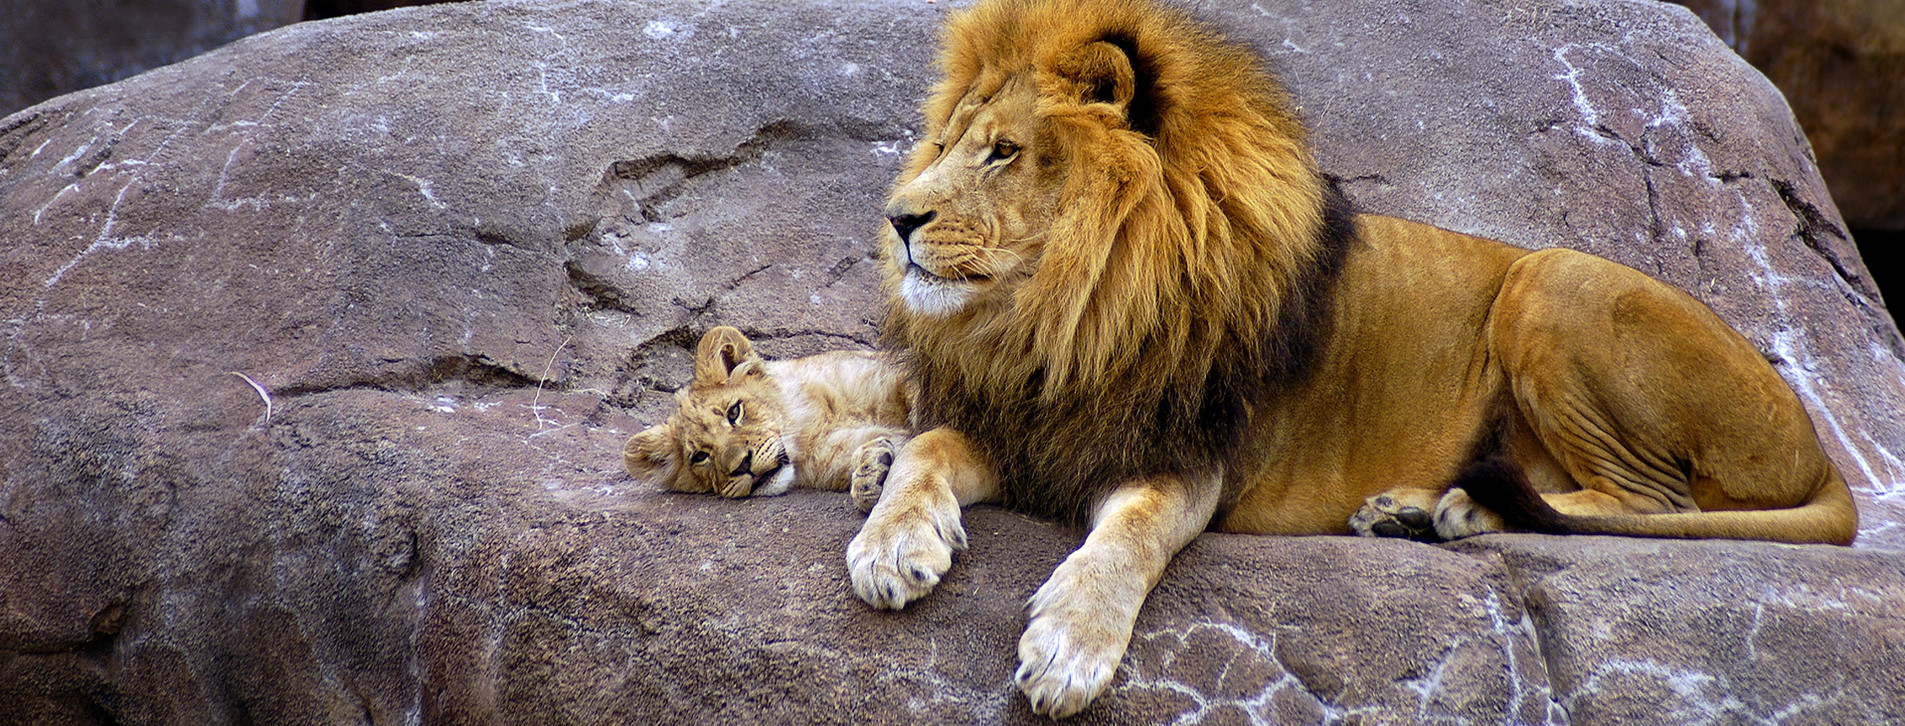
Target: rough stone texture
point(50, 47)
point(1232, 631)
point(1841, 64)
point(461, 252)
point(1763, 633)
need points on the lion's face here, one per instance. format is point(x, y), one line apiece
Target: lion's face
point(725, 435)
point(727, 438)
point(973, 218)
point(1063, 211)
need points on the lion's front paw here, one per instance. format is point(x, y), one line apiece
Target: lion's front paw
point(1073, 642)
point(1458, 516)
point(869, 478)
point(1396, 514)
point(899, 555)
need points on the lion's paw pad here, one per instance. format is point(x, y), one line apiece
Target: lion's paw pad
point(1063, 665)
point(1383, 516)
point(899, 559)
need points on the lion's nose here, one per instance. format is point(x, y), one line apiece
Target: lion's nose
point(747, 464)
point(905, 224)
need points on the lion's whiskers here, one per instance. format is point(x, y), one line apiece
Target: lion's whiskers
point(987, 258)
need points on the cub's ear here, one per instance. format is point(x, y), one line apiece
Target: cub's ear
point(1100, 72)
point(721, 351)
point(651, 455)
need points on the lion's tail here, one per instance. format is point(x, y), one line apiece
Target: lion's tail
point(1827, 518)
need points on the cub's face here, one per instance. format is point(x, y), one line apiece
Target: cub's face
point(725, 434)
point(982, 193)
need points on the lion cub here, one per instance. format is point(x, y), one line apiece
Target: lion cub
point(747, 425)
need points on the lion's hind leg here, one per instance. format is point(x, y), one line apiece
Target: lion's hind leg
point(1671, 423)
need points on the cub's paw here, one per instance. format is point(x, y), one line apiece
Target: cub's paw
point(1072, 644)
point(1396, 514)
point(901, 552)
point(1458, 516)
point(869, 478)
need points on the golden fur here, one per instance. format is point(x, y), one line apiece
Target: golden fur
point(1127, 296)
point(746, 425)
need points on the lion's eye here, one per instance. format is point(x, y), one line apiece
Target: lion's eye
point(1002, 150)
point(734, 413)
point(700, 456)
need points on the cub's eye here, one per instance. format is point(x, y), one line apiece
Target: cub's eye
point(1002, 150)
point(700, 456)
point(734, 413)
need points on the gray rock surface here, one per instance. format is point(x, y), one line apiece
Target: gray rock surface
point(1638, 631)
point(320, 349)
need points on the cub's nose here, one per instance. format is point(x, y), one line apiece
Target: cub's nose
point(905, 224)
point(746, 467)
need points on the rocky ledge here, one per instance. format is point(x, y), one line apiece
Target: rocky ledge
point(320, 350)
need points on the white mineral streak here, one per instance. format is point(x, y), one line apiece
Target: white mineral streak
point(1254, 654)
point(1684, 696)
point(1258, 650)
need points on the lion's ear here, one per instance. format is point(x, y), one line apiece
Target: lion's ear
point(651, 455)
point(749, 367)
point(1101, 72)
point(721, 351)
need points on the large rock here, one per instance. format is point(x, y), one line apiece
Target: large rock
point(320, 350)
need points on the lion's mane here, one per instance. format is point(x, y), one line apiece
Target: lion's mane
point(1147, 332)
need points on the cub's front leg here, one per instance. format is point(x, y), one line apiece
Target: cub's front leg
point(873, 460)
point(909, 537)
point(854, 458)
point(1081, 618)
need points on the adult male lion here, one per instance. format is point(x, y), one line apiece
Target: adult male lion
point(1127, 296)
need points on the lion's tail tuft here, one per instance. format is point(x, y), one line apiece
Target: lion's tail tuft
point(1500, 487)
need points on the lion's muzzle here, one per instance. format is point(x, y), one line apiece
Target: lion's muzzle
point(906, 223)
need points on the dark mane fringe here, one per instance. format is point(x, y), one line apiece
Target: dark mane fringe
point(1057, 457)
